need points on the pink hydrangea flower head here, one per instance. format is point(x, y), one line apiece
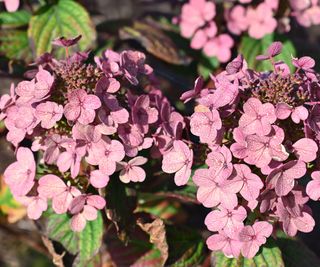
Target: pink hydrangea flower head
point(253, 237)
point(257, 117)
point(81, 107)
point(205, 125)
point(19, 176)
point(131, 170)
point(179, 161)
point(52, 187)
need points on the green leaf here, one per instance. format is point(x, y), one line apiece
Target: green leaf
point(186, 247)
point(268, 256)
point(84, 244)
point(64, 18)
point(14, 19)
point(14, 44)
point(250, 48)
point(296, 254)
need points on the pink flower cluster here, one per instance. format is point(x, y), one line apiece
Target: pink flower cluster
point(86, 123)
point(260, 132)
point(200, 22)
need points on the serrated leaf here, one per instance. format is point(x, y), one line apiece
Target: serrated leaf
point(186, 247)
point(64, 18)
point(14, 44)
point(268, 256)
point(250, 48)
point(84, 244)
point(14, 19)
point(296, 254)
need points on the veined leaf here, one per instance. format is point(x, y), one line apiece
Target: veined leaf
point(63, 18)
point(84, 244)
point(14, 19)
point(250, 48)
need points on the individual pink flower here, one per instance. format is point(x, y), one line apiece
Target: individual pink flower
point(195, 14)
point(273, 50)
point(71, 158)
point(203, 35)
point(253, 237)
point(107, 85)
point(52, 151)
point(106, 153)
point(304, 63)
point(19, 176)
point(292, 223)
point(52, 187)
point(64, 42)
point(85, 208)
point(205, 125)
point(81, 106)
point(212, 192)
point(98, 179)
point(220, 47)
point(305, 149)
point(143, 114)
point(257, 117)
point(226, 241)
point(130, 134)
point(237, 21)
point(11, 5)
point(36, 205)
point(251, 182)
point(222, 218)
point(262, 149)
point(49, 113)
point(313, 187)
point(179, 161)
point(219, 161)
point(131, 170)
point(86, 136)
point(283, 178)
point(298, 114)
point(261, 21)
point(309, 16)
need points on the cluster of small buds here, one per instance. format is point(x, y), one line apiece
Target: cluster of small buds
point(200, 22)
point(84, 130)
point(257, 151)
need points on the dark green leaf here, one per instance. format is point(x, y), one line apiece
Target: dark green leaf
point(14, 19)
point(64, 18)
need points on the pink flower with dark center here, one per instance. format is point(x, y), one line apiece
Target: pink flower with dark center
point(313, 187)
point(251, 182)
point(205, 125)
point(131, 172)
point(253, 237)
point(262, 149)
point(81, 107)
point(283, 178)
point(19, 176)
point(143, 114)
point(179, 161)
point(292, 223)
point(257, 117)
point(222, 218)
point(52, 187)
point(305, 149)
point(49, 113)
point(211, 192)
point(106, 153)
point(85, 208)
point(71, 158)
point(36, 205)
point(226, 241)
point(220, 161)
